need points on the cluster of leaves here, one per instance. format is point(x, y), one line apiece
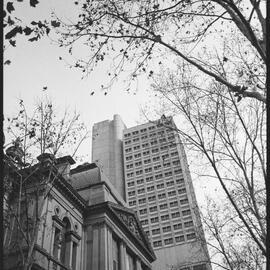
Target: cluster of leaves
point(14, 26)
point(136, 34)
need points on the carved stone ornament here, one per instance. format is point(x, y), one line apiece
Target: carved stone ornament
point(59, 239)
point(131, 224)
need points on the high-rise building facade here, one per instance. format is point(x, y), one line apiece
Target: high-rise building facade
point(158, 187)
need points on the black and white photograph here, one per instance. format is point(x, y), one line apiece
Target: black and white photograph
point(134, 135)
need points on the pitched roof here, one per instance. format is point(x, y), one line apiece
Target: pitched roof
point(128, 221)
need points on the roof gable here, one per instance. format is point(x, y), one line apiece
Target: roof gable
point(130, 220)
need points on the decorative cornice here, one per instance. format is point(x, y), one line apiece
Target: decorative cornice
point(101, 183)
point(58, 220)
point(65, 159)
point(130, 224)
point(73, 234)
point(69, 192)
point(83, 167)
point(99, 223)
point(50, 257)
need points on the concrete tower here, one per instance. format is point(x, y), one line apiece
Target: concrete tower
point(107, 150)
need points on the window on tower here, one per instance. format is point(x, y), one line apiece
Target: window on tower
point(182, 191)
point(191, 236)
point(157, 243)
point(180, 238)
point(156, 231)
point(163, 206)
point(188, 224)
point(177, 226)
point(186, 212)
point(168, 241)
point(184, 201)
point(167, 229)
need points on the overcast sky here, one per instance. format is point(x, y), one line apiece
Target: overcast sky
point(35, 65)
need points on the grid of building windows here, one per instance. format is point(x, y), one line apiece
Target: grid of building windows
point(155, 184)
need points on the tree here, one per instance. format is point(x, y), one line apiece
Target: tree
point(230, 137)
point(132, 33)
point(44, 131)
point(226, 238)
point(28, 181)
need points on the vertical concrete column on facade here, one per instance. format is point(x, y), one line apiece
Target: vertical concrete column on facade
point(123, 255)
point(96, 247)
point(81, 250)
point(107, 150)
point(138, 264)
point(118, 128)
point(109, 249)
point(103, 247)
point(89, 248)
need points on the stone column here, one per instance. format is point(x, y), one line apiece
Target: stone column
point(123, 256)
point(95, 248)
point(68, 252)
point(103, 247)
point(89, 247)
point(138, 264)
point(109, 249)
point(52, 240)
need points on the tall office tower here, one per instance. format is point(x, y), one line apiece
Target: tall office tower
point(107, 150)
point(158, 187)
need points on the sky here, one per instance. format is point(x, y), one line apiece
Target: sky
point(36, 65)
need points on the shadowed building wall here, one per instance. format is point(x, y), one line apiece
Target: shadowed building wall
point(85, 223)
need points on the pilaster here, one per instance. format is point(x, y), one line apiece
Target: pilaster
point(103, 255)
point(109, 250)
point(138, 264)
point(89, 248)
point(96, 247)
point(123, 255)
point(68, 251)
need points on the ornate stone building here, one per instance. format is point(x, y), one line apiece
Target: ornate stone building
point(82, 221)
